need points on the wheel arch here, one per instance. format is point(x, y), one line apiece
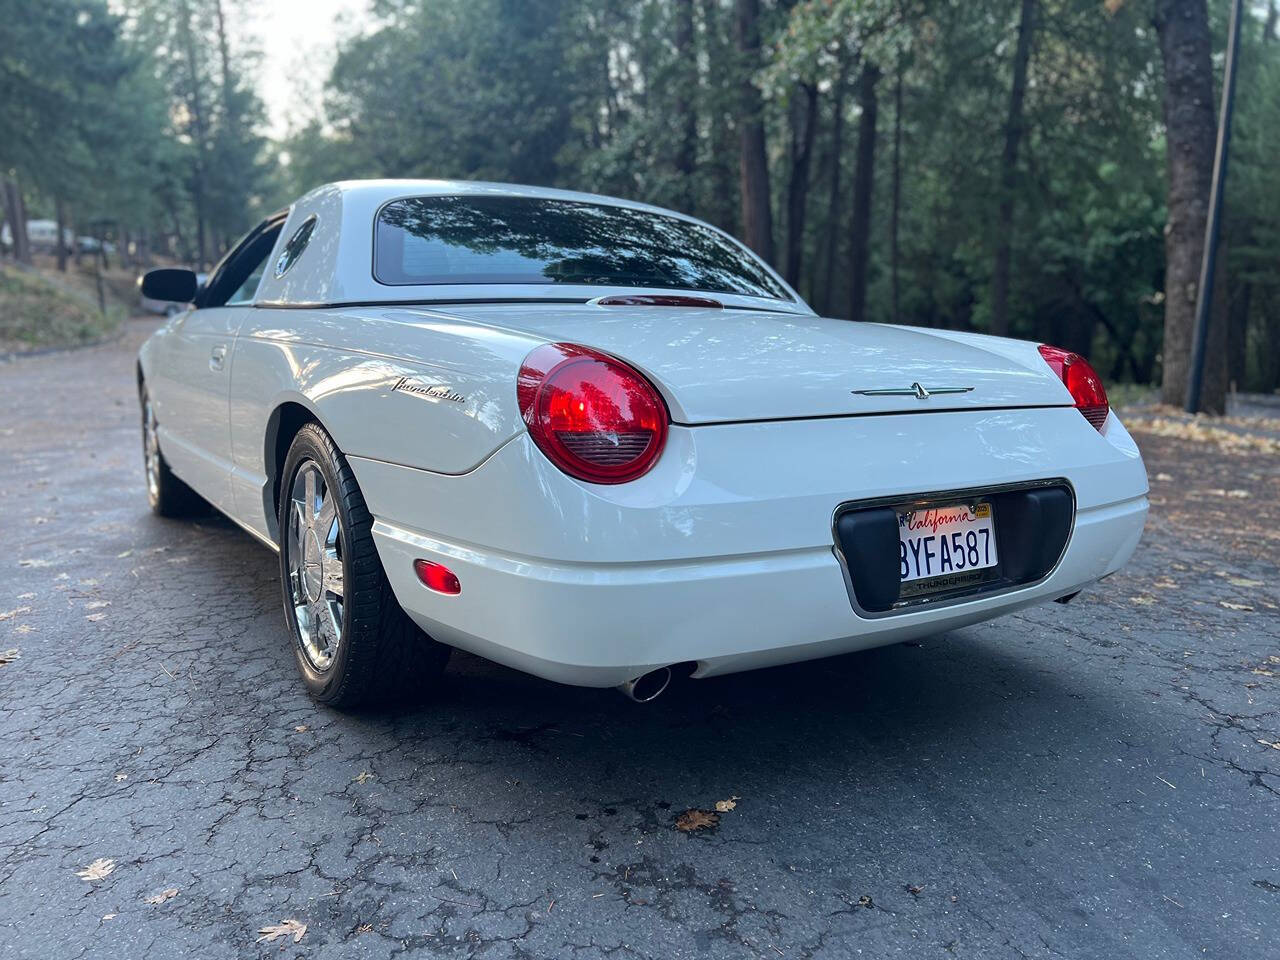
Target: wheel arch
point(285, 420)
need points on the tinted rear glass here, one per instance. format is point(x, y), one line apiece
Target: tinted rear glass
point(432, 240)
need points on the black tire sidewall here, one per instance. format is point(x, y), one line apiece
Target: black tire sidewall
point(311, 445)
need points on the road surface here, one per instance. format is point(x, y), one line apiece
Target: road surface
point(1096, 780)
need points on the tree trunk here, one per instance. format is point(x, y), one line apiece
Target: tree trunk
point(894, 215)
point(200, 139)
point(16, 211)
point(753, 164)
point(804, 123)
point(721, 207)
point(1183, 27)
point(863, 180)
point(224, 53)
point(833, 198)
point(1237, 335)
point(686, 157)
point(1268, 358)
point(1009, 171)
point(60, 211)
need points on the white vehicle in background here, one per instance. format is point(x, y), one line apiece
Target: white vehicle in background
point(596, 440)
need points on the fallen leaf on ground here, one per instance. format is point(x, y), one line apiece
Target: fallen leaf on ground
point(1243, 582)
point(724, 806)
point(285, 928)
point(95, 617)
point(35, 563)
point(300, 728)
point(692, 820)
point(865, 901)
point(24, 628)
point(121, 556)
point(362, 777)
point(97, 604)
point(8, 656)
point(10, 614)
point(1143, 601)
point(121, 777)
point(97, 870)
point(163, 895)
point(1268, 743)
point(914, 890)
point(1235, 606)
point(365, 928)
point(26, 596)
point(1162, 477)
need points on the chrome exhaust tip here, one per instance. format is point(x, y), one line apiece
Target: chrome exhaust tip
point(646, 687)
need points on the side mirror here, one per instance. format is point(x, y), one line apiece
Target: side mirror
point(170, 284)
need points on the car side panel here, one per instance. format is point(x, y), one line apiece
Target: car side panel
point(187, 365)
point(444, 409)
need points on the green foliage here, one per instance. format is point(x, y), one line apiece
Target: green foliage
point(142, 113)
point(36, 311)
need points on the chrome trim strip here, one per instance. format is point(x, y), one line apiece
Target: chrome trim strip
point(915, 390)
point(941, 498)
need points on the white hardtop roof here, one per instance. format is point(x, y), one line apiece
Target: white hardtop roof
point(336, 267)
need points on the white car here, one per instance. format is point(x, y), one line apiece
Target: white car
point(598, 441)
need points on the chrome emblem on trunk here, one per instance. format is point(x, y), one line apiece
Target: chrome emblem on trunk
point(916, 390)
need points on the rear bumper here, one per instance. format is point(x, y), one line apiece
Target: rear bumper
point(628, 579)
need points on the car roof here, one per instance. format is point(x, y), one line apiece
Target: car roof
point(336, 267)
point(384, 191)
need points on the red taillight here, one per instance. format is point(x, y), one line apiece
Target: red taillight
point(593, 416)
point(1082, 382)
point(437, 576)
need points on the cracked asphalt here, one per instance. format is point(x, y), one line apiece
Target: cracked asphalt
point(1096, 780)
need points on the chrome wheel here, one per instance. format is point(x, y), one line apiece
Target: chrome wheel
point(314, 551)
point(150, 450)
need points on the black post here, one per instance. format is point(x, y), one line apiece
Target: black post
point(1213, 226)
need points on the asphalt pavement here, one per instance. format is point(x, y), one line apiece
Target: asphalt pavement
point(1094, 780)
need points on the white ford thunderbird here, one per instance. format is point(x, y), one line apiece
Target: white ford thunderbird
point(596, 440)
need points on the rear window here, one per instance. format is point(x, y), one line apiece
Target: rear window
point(432, 240)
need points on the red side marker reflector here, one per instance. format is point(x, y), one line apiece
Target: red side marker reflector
point(437, 577)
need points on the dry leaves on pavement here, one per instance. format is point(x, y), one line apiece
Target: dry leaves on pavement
point(9, 656)
point(724, 806)
point(693, 820)
point(1198, 431)
point(285, 928)
point(163, 895)
point(98, 870)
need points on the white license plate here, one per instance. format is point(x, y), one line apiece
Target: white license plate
point(945, 541)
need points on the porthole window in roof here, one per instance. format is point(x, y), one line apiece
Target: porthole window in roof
point(297, 243)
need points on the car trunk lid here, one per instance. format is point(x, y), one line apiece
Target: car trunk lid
point(729, 365)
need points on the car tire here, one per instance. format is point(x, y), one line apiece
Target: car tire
point(167, 495)
point(353, 643)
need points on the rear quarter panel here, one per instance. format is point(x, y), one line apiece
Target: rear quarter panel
point(350, 369)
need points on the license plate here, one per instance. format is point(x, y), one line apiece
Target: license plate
point(951, 543)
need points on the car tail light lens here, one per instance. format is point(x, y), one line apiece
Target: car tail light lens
point(1082, 382)
point(592, 415)
point(437, 577)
